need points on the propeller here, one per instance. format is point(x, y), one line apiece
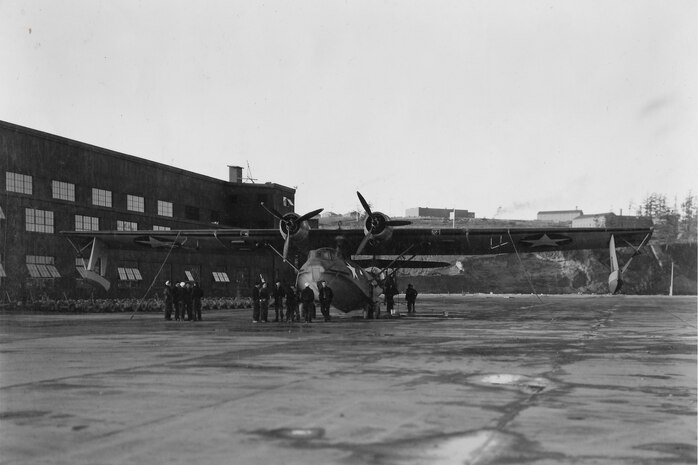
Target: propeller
point(290, 223)
point(376, 223)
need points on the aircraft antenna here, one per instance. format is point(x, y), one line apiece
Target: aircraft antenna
point(249, 173)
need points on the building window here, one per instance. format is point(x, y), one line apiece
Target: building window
point(191, 213)
point(164, 208)
point(16, 182)
point(126, 226)
point(160, 228)
point(101, 197)
point(135, 203)
point(42, 267)
point(39, 220)
point(221, 277)
point(63, 190)
point(129, 274)
point(86, 223)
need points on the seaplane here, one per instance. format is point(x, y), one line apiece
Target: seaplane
point(337, 256)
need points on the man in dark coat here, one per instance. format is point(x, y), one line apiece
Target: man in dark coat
point(255, 302)
point(168, 300)
point(196, 294)
point(325, 296)
point(292, 304)
point(390, 291)
point(264, 302)
point(186, 297)
point(279, 294)
point(177, 301)
point(410, 297)
point(308, 301)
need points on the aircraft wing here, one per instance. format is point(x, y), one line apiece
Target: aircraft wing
point(413, 241)
point(239, 240)
point(491, 241)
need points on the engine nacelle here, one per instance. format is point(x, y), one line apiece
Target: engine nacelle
point(377, 225)
point(290, 226)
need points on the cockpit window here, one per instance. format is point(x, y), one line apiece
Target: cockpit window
point(325, 254)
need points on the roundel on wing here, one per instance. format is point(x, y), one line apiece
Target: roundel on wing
point(545, 240)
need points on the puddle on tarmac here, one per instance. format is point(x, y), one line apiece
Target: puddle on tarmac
point(470, 447)
point(523, 383)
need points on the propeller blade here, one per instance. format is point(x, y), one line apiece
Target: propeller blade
point(364, 203)
point(397, 223)
point(286, 244)
point(365, 240)
point(273, 211)
point(309, 215)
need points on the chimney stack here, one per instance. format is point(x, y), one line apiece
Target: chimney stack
point(235, 174)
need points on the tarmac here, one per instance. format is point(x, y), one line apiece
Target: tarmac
point(472, 379)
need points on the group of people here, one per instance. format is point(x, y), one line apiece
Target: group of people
point(184, 300)
point(295, 302)
point(390, 291)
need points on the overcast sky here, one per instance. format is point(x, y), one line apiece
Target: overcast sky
point(510, 106)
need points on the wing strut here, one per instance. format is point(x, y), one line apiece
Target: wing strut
point(282, 257)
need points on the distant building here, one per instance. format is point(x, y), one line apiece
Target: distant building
point(611, 220)
point(424, 212)
point(559, 216)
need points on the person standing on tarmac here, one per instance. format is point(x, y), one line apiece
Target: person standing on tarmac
point(325, 296)
point(177, 301)
point(411, 298)
point(168, 300)
point(292, 304)
point(264, 302)
point(279, 294)
point(255, 302)
point(196, 294)
point(308, 301)
point(186, 297)
point(390, 291)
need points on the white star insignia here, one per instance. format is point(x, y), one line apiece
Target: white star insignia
point(545, 241)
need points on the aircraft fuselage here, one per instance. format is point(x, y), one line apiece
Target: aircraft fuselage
point(350, 283)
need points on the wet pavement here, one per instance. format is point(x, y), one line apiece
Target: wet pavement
point(501, 379)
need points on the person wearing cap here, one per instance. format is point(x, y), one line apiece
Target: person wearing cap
point(255, 302)
point(196, 294)
point(325, 295)
point(186, 298)
point(279, 294)
point(308, 302)
point(177, 294)
point(167, 291)
point(410, 297)
point(264, 302)
point(292, 304)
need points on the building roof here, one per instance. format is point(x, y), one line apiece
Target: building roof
point(560, 211)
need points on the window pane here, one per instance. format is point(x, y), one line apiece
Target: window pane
point(164, 208)
point(63, 190)
point(101, 197)
point(135, 203)
point(15, 182)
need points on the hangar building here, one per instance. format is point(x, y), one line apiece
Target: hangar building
point(51, 184)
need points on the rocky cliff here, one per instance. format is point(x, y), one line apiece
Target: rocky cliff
point(581, 271)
